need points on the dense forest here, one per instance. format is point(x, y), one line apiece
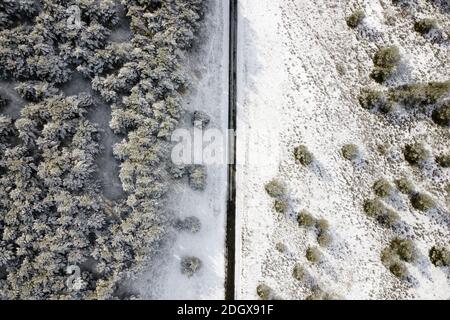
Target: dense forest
point(53, 211)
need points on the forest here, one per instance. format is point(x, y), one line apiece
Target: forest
point(54, 212)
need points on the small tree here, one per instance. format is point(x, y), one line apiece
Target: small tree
point(424, 26)
point(302, 155)
point(264, 291)
point(355, 18)
point(275, 188)
point(440, 257)
point(190, 266)
point(382, 187)
point(386, 61)
point(305, 219)
point(422, 201)
point(441, 115)
point(350, 151)
point(313, 254)
point(415, 153)
point(404, 185)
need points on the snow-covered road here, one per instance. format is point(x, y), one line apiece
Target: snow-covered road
point(208, 93)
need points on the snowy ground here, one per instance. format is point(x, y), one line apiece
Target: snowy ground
point(209, 93)
point(300, 70)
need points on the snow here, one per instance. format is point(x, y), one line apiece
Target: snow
point(208, 93)
point(289, 93)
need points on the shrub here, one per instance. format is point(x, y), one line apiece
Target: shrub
point(440, 257)
point(443, 160)
point(324, 238)
point(389, 217)
point(373, 207)
point(197, 177)
point(302, 155)
point(299, 273)
point(424, 26)
point(382, 187)
point(398, 269)
point(350, 151)
point(264, 291)
point(404, 248)
point(386, 61)
point(275, 188)
point(313, 254)
point(404, 185)
point(190, 266)
point(280, 205)
point(200, 119)
point(441, 115)
point(377, 210)
point(322, 225)
point(305, 219)
point(355, 18)
point(422, 201)
point(398, 252)
point(281, 247)
point(319, 294)
point(190, 224)
point(371, 99)
point(415, 153)
point(419, 94)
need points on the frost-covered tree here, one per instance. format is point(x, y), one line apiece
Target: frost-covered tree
point(52, 210)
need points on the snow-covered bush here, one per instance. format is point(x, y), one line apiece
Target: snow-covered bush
point(320, 226)
point(355, 18)
point(404, 185)
point(415, 153)
point(374, 100)
point(304, 218)
point(422, 201)
point(424, 26)
point(299, 273)
point(439, 256)
point(302, 155)
point(319, 294)
point(417, 95)
point(264, 291)
point(441, 114)
point(275, 188)
point(350, 151)
point(200, 119)
point(197, 177)
point(396, 254)
point(313, 255)
point(36, 90)
point(190, 224)
point(280, 205)
point(324, 238)
point(404, 248)
point(281, 247)
point(190, 266)
point(386, 61)
point(443, 160)
point(382, 187)
point(376, 209)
